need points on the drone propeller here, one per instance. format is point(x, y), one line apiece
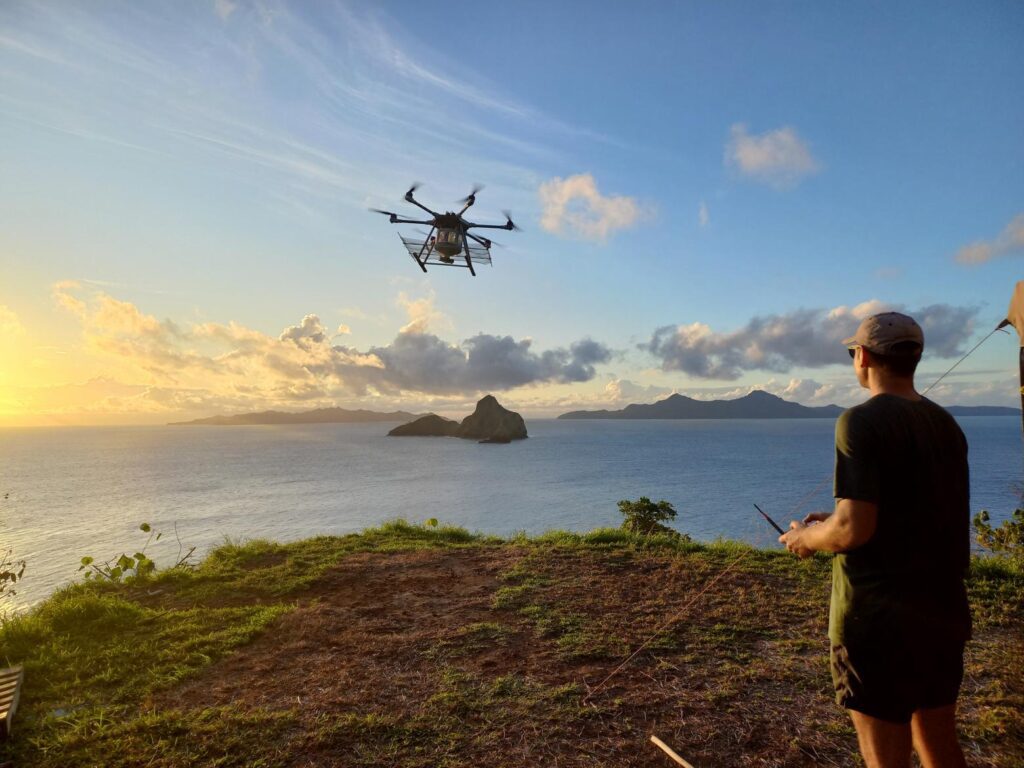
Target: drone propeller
point(471, 197)
point(510, 224)
point(386, 213)
point(415, 185)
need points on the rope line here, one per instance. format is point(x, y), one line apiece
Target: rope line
point(675, 617)
point(960, 360)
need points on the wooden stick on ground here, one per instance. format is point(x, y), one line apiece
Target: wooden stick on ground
point(668, 751)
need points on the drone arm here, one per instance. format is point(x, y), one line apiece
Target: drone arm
point(396, 220)
point(482, 240)
point(410, 199)
point(509, 226)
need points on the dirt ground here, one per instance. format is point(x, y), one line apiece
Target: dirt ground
point(486, 656)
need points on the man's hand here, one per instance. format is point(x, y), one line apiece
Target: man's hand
point(793, 539)
point(817, 517)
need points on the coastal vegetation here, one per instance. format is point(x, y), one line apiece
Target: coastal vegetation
point(426, 645)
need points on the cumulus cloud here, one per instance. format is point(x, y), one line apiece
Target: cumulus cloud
point(779, 157)
point(423, 315)
point(423, 362)
point(626, 391)
point(227, 365)
point(309, 331)
point(575, 206)
point(1008, 242)
point(808, 338)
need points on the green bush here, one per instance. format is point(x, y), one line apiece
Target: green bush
point(1006, 541)
point(646, 517)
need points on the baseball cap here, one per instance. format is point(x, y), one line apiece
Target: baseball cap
point(880, 333)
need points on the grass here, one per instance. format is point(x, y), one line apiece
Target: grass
point(413, 646)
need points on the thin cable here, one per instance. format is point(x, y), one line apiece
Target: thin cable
point(960, 361)
point(675, 617)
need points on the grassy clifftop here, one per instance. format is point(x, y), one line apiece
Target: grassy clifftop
point(415, 646)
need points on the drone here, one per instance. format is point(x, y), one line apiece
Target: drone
point(451, 245)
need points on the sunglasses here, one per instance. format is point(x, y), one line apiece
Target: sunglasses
point(852, 351)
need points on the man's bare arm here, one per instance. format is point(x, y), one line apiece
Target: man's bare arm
point(850, 526)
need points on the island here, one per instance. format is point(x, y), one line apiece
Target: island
point(757, 405)
point(489, 423)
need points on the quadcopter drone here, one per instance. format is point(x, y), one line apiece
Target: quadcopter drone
point(450, 246)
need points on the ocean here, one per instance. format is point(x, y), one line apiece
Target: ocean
point(70, 492)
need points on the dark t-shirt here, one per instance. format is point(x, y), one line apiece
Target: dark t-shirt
point(910, 458)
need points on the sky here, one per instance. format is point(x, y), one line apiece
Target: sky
point(712, 195)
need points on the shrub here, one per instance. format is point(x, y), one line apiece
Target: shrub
point(11, 570)
point(645, 517)
point(1006, 541)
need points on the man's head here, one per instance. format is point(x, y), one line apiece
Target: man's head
point(893, 343)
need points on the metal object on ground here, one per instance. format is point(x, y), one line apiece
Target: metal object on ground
point(668, 751)
point(10, 689)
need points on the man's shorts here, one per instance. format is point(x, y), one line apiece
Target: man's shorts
point(891, 682)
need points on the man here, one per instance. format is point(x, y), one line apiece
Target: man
point(898, 619)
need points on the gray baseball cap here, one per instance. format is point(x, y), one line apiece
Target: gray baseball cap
point(880, 333)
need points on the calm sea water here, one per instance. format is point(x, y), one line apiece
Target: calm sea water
point(84, 491)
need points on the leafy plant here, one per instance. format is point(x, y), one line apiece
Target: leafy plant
point(11, 570)
point(1006, 540)
point(139, 565)
point(646, 517)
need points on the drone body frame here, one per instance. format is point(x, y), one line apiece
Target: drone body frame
point(453, 236)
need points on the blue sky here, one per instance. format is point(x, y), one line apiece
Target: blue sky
point(183, 179)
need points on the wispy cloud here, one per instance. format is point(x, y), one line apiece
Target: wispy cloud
point(574, 206)
point(779, 158)
point(703, 215)
point(31, 49)
point(369, 106)
point(1009, 242)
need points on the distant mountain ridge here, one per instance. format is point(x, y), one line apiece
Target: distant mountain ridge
point(317, 416)
point(756, 405)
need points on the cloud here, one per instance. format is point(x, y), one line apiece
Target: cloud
point(423, 315)
point(780, 157)
point(702, 214)
point(171, 366)
point(423, 362)
point(809, 338)
point(1009, 242)
point(309, 331)
point(620, 391)
point(10, 325)
point(888, 273)
point(575, 206)
point(224, 8)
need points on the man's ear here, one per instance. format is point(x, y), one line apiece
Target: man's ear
point(865, 359)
